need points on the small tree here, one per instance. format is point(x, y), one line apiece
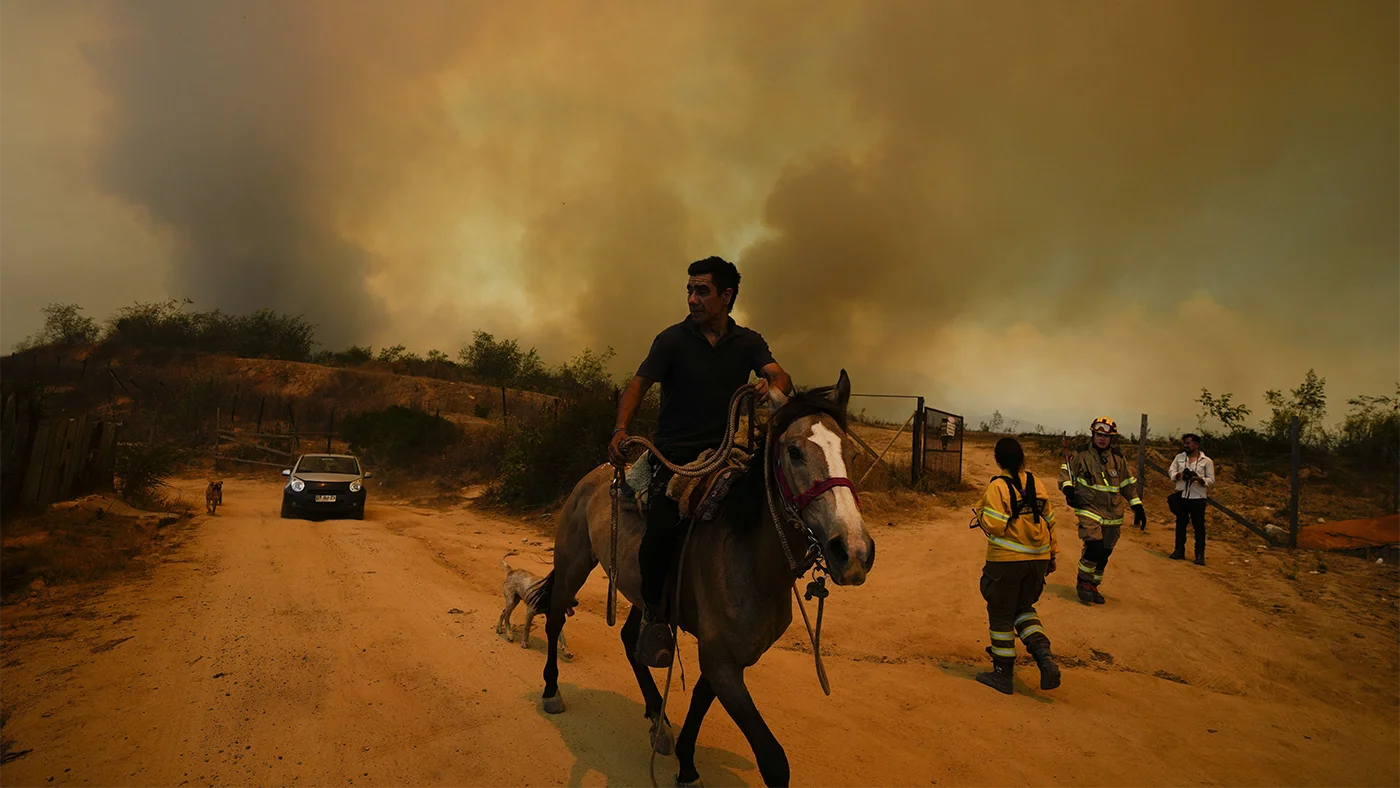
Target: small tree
point(1308, 402)
point(391, 354)
point(494, 361)
point(1220, 408)
point(1371, 433)
point(63, 326)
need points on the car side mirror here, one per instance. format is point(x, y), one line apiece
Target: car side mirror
point(368, 474)
point(286, 472)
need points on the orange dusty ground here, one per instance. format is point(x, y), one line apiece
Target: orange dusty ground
point(1350, 534)
point(260, 651)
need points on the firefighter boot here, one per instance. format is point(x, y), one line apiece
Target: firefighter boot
point(999, 677)
point(1049, 671)
point(1094, 591)
point(1086, 592)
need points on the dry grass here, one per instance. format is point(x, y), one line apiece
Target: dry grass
point(77, 542)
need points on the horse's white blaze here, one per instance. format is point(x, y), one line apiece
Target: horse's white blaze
point(847, 513)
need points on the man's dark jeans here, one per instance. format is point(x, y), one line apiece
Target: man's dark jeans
point(664, 529)
point(1194, 510)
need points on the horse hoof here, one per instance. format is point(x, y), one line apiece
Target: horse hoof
point(554, 705)
point(663, 741)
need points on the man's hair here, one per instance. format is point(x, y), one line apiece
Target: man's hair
point(722, 272)
point(1191, 436)
point(1009, 454)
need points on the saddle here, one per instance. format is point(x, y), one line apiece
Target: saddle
point(698, 497)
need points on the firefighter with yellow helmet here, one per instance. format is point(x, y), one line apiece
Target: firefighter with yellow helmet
point(1096, 481)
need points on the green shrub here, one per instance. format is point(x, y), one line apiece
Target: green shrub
point(544, 461)
point(166, 324)
point(398, 435)
point(142, 471)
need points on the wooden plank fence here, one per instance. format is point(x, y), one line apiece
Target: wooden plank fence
point(43, 460)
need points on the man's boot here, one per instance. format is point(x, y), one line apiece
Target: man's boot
point(1178, 555)
point(1049, 671)
point(1094, 592)
point(654, 645)
point(999, 677)
point(1086, 592)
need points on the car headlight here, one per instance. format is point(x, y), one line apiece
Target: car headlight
point(355, 486)
point(298, 485)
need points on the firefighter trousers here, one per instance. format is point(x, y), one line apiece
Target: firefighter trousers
point(1011, 589)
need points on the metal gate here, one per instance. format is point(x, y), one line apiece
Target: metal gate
point(941, 454)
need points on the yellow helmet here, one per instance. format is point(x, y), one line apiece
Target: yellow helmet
point(1104, 425)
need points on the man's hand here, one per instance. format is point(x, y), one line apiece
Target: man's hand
point(761, 386)
point(615, 450)
point(1050, 570)
point(1139, 517)
point(1071, 500)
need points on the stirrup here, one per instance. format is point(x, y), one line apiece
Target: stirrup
point(655, 647)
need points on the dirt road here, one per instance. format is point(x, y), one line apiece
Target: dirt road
point(271, 652)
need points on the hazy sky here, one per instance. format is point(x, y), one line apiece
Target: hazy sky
point(1057, 210)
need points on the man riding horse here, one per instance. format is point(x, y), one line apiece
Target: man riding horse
point(700, 362)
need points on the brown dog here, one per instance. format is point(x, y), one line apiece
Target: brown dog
point(213, 495)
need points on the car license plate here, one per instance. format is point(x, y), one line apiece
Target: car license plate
point(325, 499)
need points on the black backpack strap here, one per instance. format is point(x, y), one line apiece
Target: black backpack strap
point(1030, 497)
point(1011, 485)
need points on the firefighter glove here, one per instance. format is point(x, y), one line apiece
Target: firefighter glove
point(1139, 517)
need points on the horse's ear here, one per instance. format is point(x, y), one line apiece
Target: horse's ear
point(841, 395)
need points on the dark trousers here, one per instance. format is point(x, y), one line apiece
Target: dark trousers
point(1011, 589)
point(1193, 509)
point(1094, 561)
point(664, 529)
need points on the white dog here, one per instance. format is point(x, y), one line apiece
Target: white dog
point(517, 587)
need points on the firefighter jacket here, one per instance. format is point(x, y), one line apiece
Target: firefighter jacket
point(1014, 532)
point(1101, 482)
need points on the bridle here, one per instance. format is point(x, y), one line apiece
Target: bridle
point(790, 512)
point(800, 502)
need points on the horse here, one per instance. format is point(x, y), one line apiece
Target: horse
point(737, 570)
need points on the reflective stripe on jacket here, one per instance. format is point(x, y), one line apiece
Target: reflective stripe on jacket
point(1018, 538)
point(1101, 482)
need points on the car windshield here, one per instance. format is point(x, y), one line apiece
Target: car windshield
point(328, 465)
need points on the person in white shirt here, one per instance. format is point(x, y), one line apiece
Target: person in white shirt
point(1193, 473)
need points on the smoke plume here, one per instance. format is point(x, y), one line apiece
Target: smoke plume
point(1099, 192)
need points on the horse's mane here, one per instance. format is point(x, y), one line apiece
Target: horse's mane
point(745, 506)
point(810, 403)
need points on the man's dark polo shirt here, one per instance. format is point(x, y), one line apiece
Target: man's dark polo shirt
point(698, 380)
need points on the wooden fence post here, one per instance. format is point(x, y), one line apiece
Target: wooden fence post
point(503, 404)
point(261, 403)
point(296, 438)
point(216, 439)
point(330, 428)
point(916, 453)
point(1142, 457)
point(1293, 477)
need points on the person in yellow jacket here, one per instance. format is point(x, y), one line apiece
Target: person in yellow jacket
point(1096, 482)
point(1019, 524)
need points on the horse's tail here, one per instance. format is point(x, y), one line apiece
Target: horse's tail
point(540, 593)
